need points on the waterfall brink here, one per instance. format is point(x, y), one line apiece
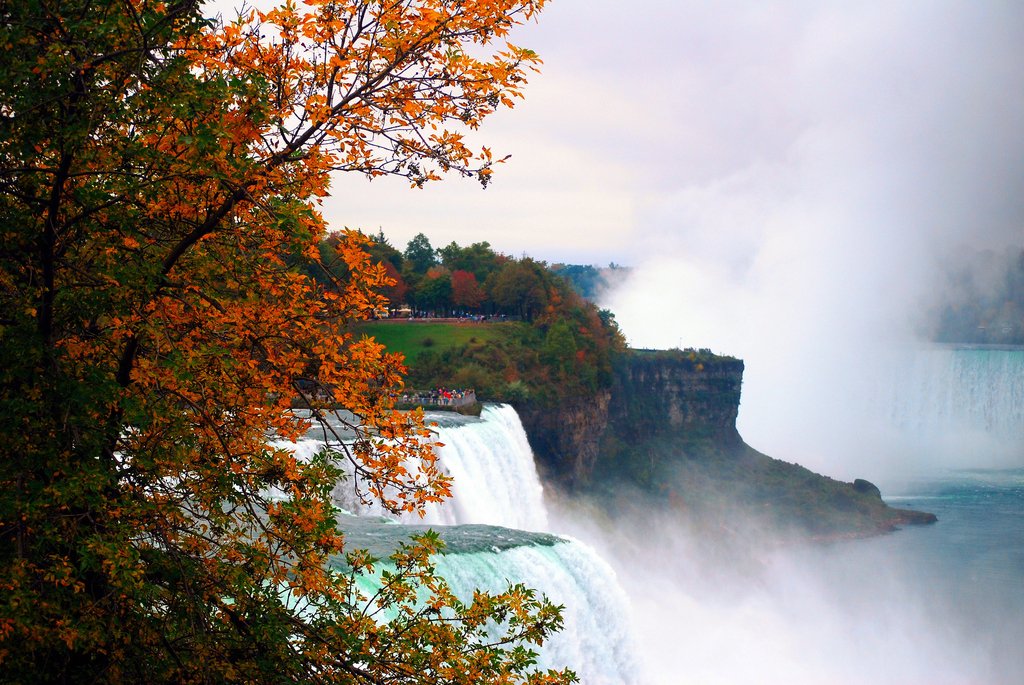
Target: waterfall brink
point(949, 397)
point(495, 483)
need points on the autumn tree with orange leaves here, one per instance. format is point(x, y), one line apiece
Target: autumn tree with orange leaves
point(159, 172)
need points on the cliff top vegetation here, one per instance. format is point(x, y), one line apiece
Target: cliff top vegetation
point(541, 340)
point(701, 355)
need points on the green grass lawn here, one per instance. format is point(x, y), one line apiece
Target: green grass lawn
point(409, 338)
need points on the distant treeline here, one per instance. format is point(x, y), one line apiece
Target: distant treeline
point(590, 282)
point(982, 300)
point(467, 280)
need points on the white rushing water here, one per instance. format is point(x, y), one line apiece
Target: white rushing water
point(494, 478)
point(495, 483)
point(597, 641)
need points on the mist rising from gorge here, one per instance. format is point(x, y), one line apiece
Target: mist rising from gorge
point(710, 610)
point(859, 149)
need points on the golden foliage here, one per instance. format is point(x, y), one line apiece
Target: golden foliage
point(159, 176)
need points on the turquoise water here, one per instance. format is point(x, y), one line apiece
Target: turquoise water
point(978, 542)
point(952, 592)
point(596, 641)
point(974, 558)
point(381, 537)
point(941, 604)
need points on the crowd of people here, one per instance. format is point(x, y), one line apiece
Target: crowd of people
point(462, 317)
point(440, 397)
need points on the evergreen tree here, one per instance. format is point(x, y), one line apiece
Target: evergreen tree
point(420, 254)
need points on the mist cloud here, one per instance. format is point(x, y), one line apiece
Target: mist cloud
point(848, 147)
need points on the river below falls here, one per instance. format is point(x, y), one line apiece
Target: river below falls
point(930, 605)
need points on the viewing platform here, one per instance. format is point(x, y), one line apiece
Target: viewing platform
point(461, 401)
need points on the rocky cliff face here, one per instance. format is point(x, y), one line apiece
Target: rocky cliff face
point(666, 433)
point(565, 440)
point(653, 393)
point(659, 392)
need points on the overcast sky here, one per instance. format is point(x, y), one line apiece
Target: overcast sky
point(672, 125)
point(783, 176)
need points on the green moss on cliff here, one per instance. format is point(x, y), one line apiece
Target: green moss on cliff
point(708, 481)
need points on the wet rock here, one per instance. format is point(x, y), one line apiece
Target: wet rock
point(867, 488)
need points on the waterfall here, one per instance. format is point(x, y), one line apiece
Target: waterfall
point(597, 641)
point(956, 397)
point(495, 483)
point(494, 478)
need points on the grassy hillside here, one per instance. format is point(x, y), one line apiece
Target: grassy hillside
point(559, 356)
point(413, 339)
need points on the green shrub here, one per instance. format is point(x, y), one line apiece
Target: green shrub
point(517, 391)
point(471, 375)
